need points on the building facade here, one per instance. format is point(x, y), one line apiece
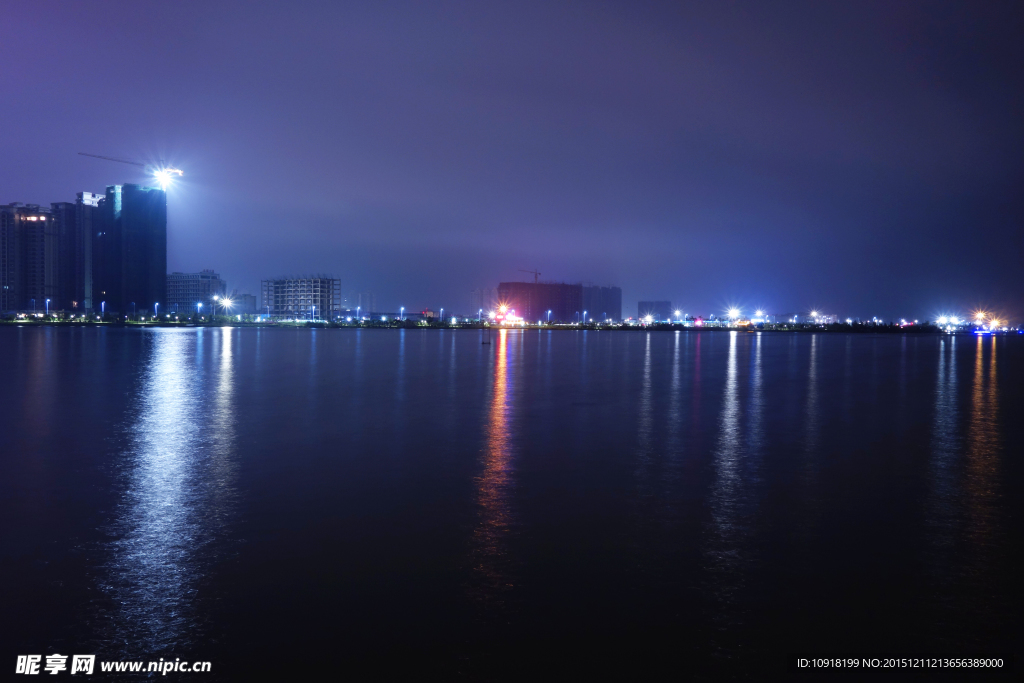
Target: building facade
point(533, 300)
point(603, 303)
point(311, 298)
point(77, 224)
point(28, 258)
point(130, 251)
point(186, 290)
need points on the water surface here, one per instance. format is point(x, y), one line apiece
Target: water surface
point(297, 500)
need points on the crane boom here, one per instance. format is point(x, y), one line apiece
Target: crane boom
point(162, 173)
point(536, 274)
point(123, 161)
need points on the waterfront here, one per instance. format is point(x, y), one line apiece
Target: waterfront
point(289, 499)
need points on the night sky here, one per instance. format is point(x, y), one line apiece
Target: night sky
point(861, 159)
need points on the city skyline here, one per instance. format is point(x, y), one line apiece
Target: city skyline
point(830, 157)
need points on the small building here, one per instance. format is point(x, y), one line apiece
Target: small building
point(302, 298)
point(186, 290)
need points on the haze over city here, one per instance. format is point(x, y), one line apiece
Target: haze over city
point(861, 159)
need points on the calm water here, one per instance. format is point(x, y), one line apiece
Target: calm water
point(297, 500)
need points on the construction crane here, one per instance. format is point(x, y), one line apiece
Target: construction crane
point(163, 173)
point(536, 275)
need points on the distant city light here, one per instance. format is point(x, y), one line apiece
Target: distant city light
point(734, 313)
point(759, 313)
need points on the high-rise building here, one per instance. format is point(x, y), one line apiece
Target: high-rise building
point(28, 258)
point(77, 224)
point(186, 290)
point(658, 310)
point(532, 300)
point(603, 303)
point(130, 250)
point(310, 298)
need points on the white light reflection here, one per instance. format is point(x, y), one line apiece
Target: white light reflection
point(725, 547)
point(179, 494)
point(945, 447)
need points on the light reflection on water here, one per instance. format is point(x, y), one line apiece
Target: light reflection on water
point(495, 485)
point(179, 474)
point(983, 449)
point(771, 467)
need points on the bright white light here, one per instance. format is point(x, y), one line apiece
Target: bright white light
point(164, 178)
point(734, 312)
point(814, 314)
point(943, 320)
point(759, 313)
point(955, 320)
point(677, 313)
point(648, 318)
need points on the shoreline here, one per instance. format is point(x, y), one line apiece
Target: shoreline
point(838, 328)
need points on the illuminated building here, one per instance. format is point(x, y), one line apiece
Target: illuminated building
point(306, 298)
point(185, 290)
point(28, 258)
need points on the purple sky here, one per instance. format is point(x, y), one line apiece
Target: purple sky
point(862, 159)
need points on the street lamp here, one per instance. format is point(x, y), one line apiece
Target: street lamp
point(584, 317)
point(401, 315)
point(549, 316)
point(103, 308)
point(442, 316)
point(47, 308)
point(199, 308)
point(157, 308)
